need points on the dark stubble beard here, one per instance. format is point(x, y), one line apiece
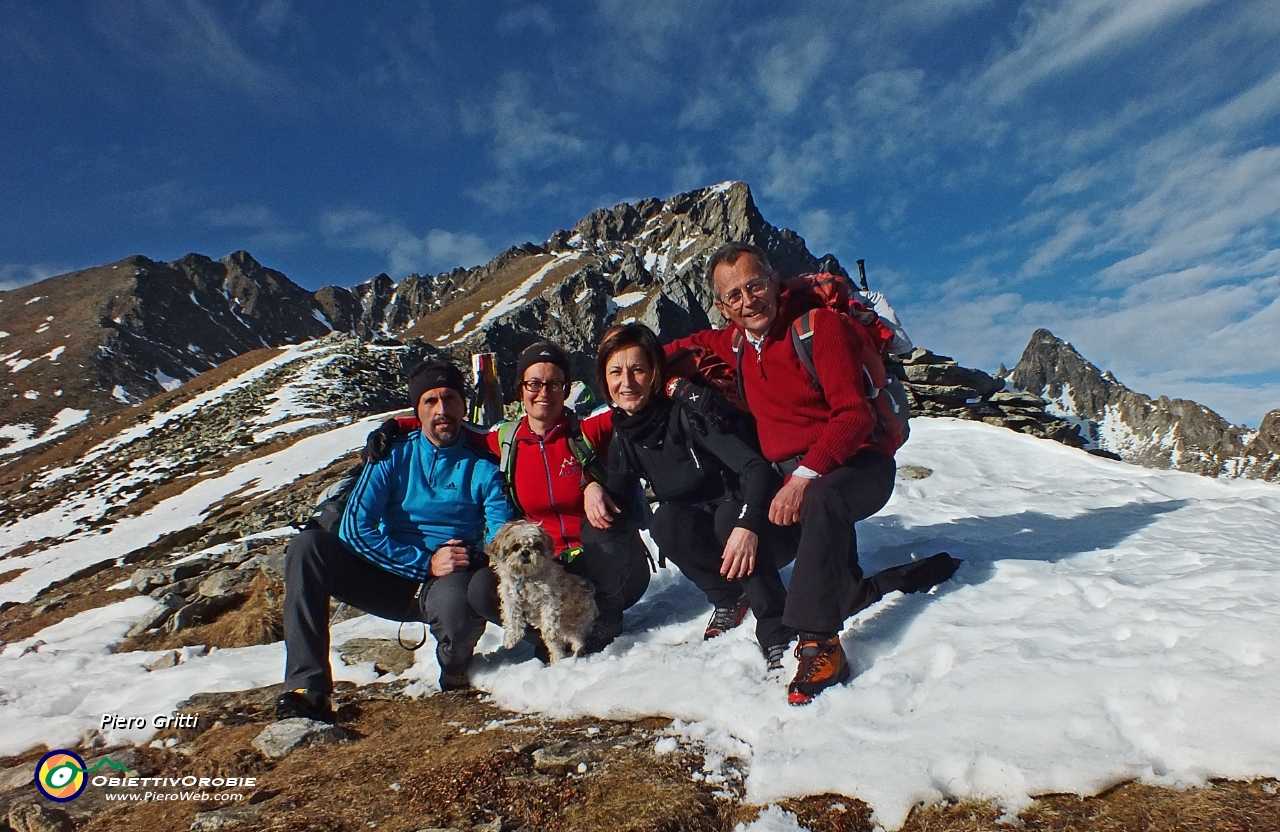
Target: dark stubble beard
point(442, 435)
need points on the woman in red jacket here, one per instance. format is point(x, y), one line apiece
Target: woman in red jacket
point(549, 465)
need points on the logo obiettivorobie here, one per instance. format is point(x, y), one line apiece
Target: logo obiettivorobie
point(61, 775)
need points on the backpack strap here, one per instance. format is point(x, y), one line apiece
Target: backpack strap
point(507, 458)
point(802, 342)
point(739, 342)
point(585, 452)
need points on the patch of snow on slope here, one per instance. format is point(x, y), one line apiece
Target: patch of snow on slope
point(178, 512)
point(513, 299)
point(22, 435)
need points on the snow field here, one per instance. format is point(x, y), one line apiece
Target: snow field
point(1109, 622)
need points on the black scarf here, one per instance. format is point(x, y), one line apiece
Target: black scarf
point(646, 428)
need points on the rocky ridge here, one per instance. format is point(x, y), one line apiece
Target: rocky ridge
point(137, 328)
point(1157, 433)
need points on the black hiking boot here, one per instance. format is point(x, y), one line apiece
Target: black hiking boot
point(773, 656)
point(607, 627)
point(303, 704)
point(454, 678)
point(724, 619)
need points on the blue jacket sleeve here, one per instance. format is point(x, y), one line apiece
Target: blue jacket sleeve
point(363, 531)
point(497, 508)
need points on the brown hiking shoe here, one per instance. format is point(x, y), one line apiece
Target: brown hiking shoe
point(822, 664)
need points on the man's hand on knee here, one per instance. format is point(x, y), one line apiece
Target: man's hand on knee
point(449, 558)
point(785, 508)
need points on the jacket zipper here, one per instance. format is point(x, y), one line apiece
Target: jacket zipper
point(551, 494)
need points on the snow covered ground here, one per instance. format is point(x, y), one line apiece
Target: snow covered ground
point(1109, 622)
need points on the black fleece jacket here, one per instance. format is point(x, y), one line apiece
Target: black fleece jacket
point(689, 459)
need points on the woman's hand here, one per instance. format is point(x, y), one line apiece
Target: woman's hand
point(599, 506)
point(739, 558)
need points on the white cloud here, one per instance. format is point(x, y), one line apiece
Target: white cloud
point(524, 133)
point(189, 42)
point(1059, 38)
point(438, 250)
point(786, 71)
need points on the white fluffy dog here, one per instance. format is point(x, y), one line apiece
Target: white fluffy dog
point(536, 591)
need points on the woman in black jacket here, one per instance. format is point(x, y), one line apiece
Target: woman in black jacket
point(713, 490)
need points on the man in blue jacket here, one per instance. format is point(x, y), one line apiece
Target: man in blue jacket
point(411, 540)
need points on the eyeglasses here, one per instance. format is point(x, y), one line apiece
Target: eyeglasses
point(535, 385)
point(734, 298)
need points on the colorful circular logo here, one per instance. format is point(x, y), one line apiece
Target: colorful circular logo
point(60, 775)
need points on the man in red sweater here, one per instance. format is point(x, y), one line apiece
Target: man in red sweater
point(826, 440)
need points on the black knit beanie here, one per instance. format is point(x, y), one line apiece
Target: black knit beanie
point(432, 374)
point(542, 352)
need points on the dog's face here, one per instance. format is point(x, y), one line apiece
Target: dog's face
point(521, 548)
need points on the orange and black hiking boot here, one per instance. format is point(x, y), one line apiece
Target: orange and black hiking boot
point(822, 664)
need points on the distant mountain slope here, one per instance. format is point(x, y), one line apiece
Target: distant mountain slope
point(102, 338)
point(1157, 433)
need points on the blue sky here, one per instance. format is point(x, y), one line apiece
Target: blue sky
point(1109, 170)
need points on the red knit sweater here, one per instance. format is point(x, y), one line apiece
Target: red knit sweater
point(826, 427)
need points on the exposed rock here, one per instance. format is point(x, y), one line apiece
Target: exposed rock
point(914, 472)
point(17, 777)
point(38, 817)
point(226, 582)
point(167, 659)
point(563, 757)
point(386, 654)
point(941, 387)
point(147, 579)
point(229, 818)
point(200, 611)
point(1157, 433)
point(157, 615)
point(280, 739)
point(271, 565)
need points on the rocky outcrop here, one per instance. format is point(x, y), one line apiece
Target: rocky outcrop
point(941, 387)
point(1157, 433)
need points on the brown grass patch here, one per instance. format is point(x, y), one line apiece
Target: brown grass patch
point(436, 761)
point(5, 577)
point(258, 619)
point(1223, 806)
point(494, 288)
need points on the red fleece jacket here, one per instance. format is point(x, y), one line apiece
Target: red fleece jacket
point(826, 427)
point(548, 481)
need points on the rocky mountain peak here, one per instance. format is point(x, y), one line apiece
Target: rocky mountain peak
point(1159, 433)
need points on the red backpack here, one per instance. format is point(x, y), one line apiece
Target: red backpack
point(885, 391)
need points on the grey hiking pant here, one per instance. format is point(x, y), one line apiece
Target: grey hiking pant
point(319, 566)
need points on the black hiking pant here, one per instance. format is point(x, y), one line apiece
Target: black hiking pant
point(693, 538)
point(318, 566)
point(827, 584)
